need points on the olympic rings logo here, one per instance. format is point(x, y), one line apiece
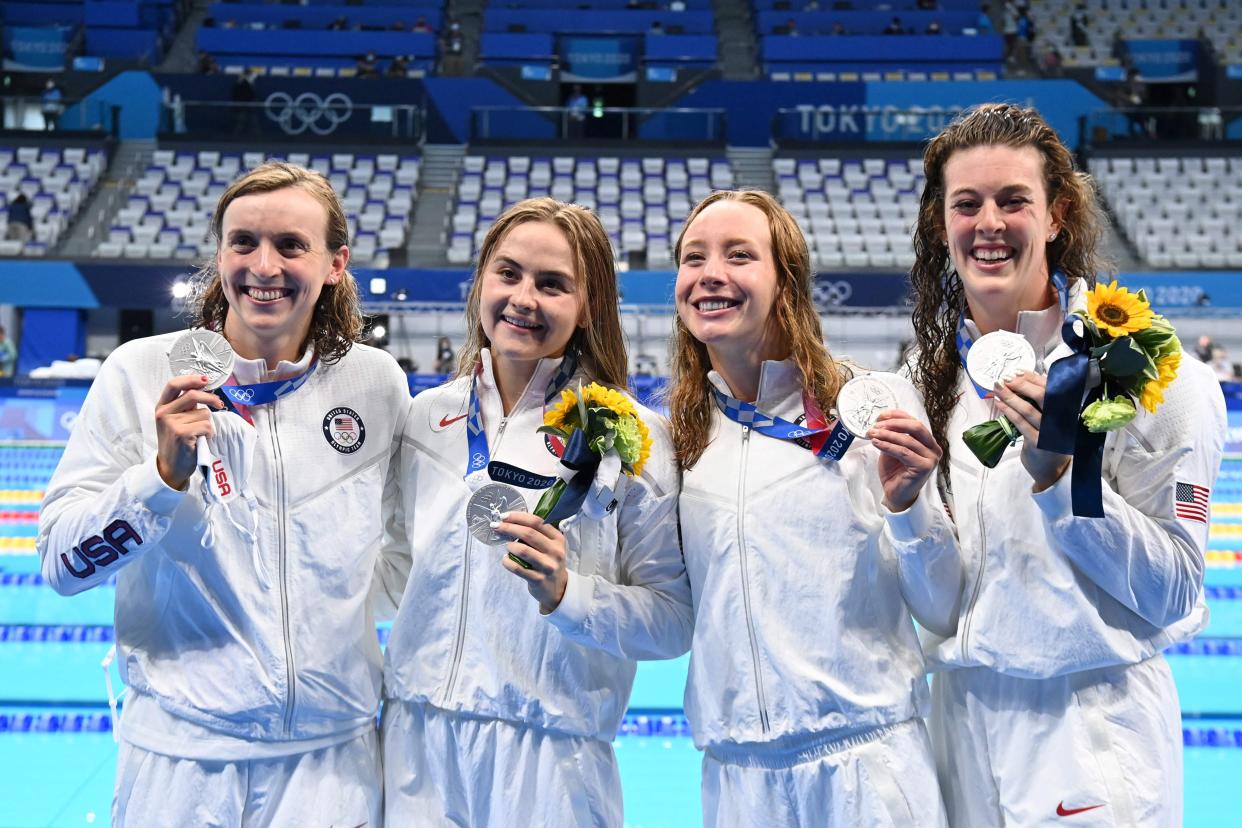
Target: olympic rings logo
point(308, 111)
point(244, 395)
point(345, 437)
point(826, 294)
point(478, 460)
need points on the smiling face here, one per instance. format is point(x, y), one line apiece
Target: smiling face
point(273, 262)
point(998, 223)
point(530, 302)
point(726, 280)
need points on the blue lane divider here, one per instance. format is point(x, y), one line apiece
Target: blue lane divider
point(1207, 647)
point(35, 579)
point(1212, 737)
point(55, 723)
point(88, 633)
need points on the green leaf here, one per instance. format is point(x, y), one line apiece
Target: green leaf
point(1123, 358)
point(988, 441)
point(547, 501)
point(558, 432)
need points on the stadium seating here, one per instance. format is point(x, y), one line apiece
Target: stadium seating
point(642, 201)
point(169, 210)
point(854, 212)
point(1179, 212)
point(1219, 21)
point(57, 182)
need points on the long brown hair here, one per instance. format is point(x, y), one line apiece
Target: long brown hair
point(937, 288)
point(600, 342)
point(690, 401)
point(336, 323)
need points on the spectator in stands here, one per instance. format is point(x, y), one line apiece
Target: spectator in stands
point(207, 64)
point(927, 5)
point(1009, 27)
point(446, 357)
point(399, 67)
point(1132, 97)
point(8, 354)
point(21, 221)
point(244, 627)
point(1052, 696)
point(1051, 63)
point(421, 25)
point(245, 110)
point(894, 27)
point(52, 104)
point(1221, 365)
point(502, 711)
point(1079, 24)
point(339, 24)
point(811, 6)
point(983, 23)
point(576, 112)
point(807, 684)
point(367, 66)
point(838, 28)
point(1203, 348)
point(657, 28)
point(677, 5)
point(790, 28)
point(933, 28)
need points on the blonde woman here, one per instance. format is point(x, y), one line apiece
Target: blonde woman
point(242, 623)
point(501, 710)
point(806, 678)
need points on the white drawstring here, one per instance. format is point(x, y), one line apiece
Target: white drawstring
point(112, 697)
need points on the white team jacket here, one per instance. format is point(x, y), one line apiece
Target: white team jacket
point(802, 609)
point(468, 636)
point(1047, 593)
point(197, 630)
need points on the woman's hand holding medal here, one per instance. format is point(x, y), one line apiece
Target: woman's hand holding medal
point(542, 546)
point(180, 420)
point(908, 456)
point(1021, 399)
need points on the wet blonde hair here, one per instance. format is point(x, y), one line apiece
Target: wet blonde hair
point(794, 318)
point(937, 288)
point(599, 342)
point(336, 323)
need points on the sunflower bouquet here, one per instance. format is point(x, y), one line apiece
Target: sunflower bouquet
point(1134, 354)
point(598, 420)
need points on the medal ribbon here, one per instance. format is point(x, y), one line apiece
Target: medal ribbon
point(965, 340)
point(827, 442)
point(1062, 429)
point(240, 397)
point(478, 454)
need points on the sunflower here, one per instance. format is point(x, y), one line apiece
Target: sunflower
point(1118, 312)
point(1152, 396)
point(631, 438)
point(1167, 367)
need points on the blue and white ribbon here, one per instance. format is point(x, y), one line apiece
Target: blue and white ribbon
point(832, 446)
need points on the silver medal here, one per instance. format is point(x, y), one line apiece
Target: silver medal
point(998, 355)
point(486, 505)
point(860, 401)
point(202, 353)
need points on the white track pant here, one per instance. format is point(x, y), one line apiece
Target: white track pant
point(1097, 748)
point(877, 779)
point(335, 786)
point(441, 769)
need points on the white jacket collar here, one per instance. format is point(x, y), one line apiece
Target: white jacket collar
point(780, 382)
point(251, 371)
point(532, 394)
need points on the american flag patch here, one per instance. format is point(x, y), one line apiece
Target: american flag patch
point(1191, 502)
point(344, 423)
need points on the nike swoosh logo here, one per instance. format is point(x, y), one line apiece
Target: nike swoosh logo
point(445, 422)
point(1063, 811)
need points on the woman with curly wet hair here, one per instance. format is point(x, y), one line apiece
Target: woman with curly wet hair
point(1052, 699)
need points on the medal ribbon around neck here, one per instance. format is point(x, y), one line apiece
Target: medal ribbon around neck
point(478, 454)
point(965, 340)
point(240, 397)
point(829, 442)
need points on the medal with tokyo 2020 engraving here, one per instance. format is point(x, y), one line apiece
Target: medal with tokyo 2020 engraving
point(997, 356)
point(486, 506)
point(202, 353)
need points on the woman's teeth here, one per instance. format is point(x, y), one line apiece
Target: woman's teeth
point(264, 295)
point(715, 304)
point(996, 255)
point(521, 323)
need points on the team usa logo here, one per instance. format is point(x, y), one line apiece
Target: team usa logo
point(344, 431)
